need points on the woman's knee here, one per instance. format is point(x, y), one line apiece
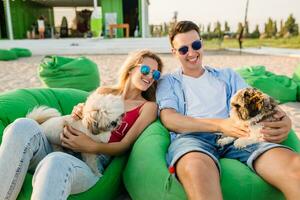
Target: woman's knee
point(22, 129)
point(55, 160)
point(52, 165)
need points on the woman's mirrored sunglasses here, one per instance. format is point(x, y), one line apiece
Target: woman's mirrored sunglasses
point(196, 45)
point(145, 69)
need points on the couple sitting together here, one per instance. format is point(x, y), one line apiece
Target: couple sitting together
point(194, 104)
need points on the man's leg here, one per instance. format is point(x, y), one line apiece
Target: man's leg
point(199, 176)
point(281, 168)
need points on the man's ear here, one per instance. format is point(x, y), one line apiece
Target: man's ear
point(173, 51)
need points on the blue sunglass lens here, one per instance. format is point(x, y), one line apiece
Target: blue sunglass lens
point(145, 69)
point(196, 45)
point(156, 75)
point(183, 50)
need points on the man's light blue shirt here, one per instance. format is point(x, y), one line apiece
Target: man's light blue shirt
point(170, 92)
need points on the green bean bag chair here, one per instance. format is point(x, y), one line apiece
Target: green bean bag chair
point(280, 87)
point(146, 175)
point(21, 52)
point(7, 55)
point(61, 72)
point(296, 78)
point(15, 104)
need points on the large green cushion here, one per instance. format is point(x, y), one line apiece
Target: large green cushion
point(7, 55)
point(280, 87)
point(296, 78)
point(15, 104)
point(146, 174)
point(61, 72)
point(22, 52)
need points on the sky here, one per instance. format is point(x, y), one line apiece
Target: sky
point(232, 11)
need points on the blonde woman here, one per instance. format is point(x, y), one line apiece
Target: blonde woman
point(57, 174)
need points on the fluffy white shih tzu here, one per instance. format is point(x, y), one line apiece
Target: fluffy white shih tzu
point(251, 106)
point(101, 114)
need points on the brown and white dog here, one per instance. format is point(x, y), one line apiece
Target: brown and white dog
point(101, 114)
point(250, 106)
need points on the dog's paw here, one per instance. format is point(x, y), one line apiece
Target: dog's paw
point(239, 144)
point(225, 140)
point(243, 142)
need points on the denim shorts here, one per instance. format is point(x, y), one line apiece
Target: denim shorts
point(207, 143)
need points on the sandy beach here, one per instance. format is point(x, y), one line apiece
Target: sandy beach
point(23, 73)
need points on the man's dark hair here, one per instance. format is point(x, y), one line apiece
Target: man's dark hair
point(182, 27)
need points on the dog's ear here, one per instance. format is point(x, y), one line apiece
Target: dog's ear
point(255, 102)
point(270, 103)
point(89, 120)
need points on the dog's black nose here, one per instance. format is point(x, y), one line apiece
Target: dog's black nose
point(114, 123)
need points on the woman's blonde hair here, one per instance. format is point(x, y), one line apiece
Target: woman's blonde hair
point(131, 62)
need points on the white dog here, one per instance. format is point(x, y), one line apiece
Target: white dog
point(101, 114)
point(250, 106)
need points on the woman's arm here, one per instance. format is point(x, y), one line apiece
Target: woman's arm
point(77, 141)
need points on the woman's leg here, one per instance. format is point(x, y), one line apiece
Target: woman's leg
point(59, 174)
point(22, 148)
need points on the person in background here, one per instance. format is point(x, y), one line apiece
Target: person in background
point(41, 27)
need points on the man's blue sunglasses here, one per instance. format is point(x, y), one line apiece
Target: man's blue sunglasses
point(196, 45)
point(145, 69)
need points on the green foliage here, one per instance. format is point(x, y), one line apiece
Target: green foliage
point(293, 42)
point(246, 30)
point(208, 28)
point(291, 26)
point(270, 28)
point(227, 28)
point(255, 33)
point(282, 29)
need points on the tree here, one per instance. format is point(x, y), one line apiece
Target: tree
point(246, 30)
point(281, 29)
point(227, 28)
point(218, 33)
point(208, 28)
point(269, 28)
point(217, 28)
point(255, 33)
point(274, 30)
point(175, 16)
point(291, 26)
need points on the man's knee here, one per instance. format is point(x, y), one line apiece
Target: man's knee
point(196, 162)
point(294, 168)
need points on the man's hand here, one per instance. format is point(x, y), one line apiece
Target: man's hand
point(277, 131)
point(231, 128)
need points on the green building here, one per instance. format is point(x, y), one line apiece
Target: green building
point(19, 17)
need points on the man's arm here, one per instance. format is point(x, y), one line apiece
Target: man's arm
point(179, 123)
point(278, 131)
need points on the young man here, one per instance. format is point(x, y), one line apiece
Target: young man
point(194, 105)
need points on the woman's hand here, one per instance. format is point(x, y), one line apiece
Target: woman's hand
point(77, 111)
point(233, 129)
point(277, 131)
point(77, 141)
